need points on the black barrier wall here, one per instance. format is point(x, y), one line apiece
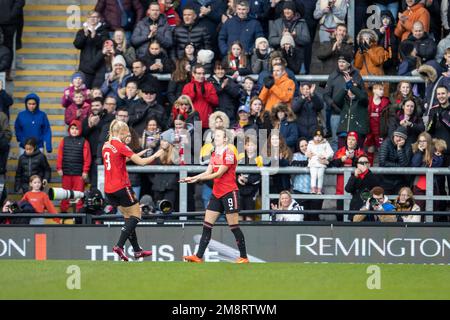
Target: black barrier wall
point(286, 243)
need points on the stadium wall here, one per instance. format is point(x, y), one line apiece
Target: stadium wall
point(285, 243)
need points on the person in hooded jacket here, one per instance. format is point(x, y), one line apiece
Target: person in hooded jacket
point(73, 162)
point(31, 162)
point(415, 11)
point(388, 40)
point(32, 122)
point(307, 108)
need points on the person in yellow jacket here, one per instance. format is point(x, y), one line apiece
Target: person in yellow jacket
point(277, 88)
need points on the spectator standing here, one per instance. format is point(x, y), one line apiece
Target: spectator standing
point(301, 183)
point(9, 18)
point(180, 77)
point(395, 153)
point(240, 28)
point(319, 154)
point(260, 56)
point(277, 88)
point(202, 93)
point(76, 84)
point(361, 182)
point(142, 76)
point(168, 8)
point(293, 55)
point(236, 63)
point(6, 56)
point(5, 139)
point(227, 91)
point(31, 162)
point(340, 44)
point(388, 40)
point(90, 40)
point(153, 27)
point(117, 78)
point(6, 101)
point(121, 13)
point(415, 11)
point(123, 47)
point(190, 31)
point(423, 42)
point(329, 13)
point(156, 60)
point(283, 119)
point(78, 110)
point(32, 122)
point(307, 109)
point(259, 118)
point(73, 162)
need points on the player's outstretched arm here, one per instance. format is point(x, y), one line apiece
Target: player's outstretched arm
point(145, 161)
point(198, 177)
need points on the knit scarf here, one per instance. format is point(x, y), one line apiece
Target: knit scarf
point(387, 43)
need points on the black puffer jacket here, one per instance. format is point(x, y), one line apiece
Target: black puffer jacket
point(356, 186)
point(228, 96)
point(140, 38)
point(90, 48)
point(141, 113)
point(184, 34)
point(36, 163)
point(426, 47)
point(306, 111)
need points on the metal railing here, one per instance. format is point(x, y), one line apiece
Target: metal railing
point(324, 78)
point(266, 172)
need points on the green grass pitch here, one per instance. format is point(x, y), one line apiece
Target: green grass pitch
point(178, 281)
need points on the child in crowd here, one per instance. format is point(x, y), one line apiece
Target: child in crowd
point(319, 153)
point(151, 136)
point(79, 109)
point(39, 199)
point(236, 62)
point(73, 162)
point(167, 7)
point(377, 103)
point(76, 84)
point(32, 162)
point(96, 92)
point(247, 91)
point(440, 146)
point(248, 183)
point(261, 55)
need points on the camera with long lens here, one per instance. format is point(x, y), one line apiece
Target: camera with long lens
point(14, 207)
point(93, 201)
point(149, 207)
point(373, 203)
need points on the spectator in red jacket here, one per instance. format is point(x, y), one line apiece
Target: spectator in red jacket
point(73, 162)
point(79, 109)
point(202, 93)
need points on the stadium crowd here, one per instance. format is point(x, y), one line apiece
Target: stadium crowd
point(213, 49)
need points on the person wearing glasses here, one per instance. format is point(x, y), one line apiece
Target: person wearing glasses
point(361, 182)
point(202, 93)
point(90, 41)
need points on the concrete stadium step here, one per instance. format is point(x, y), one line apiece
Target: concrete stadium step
point(47, 64)
point(44, 77)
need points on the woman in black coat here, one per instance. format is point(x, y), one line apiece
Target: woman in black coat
point(180, 77)
point(361, 183)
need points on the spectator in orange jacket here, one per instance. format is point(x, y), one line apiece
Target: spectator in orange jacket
point(73, 162)
point(277, 88)
point(415, 11)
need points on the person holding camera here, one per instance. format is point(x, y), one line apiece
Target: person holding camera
point(406, 203)
point(118, 189)
point(377, 201)
point(360, 182)
point(370, 56)
point(12, 207)
point(73, 162)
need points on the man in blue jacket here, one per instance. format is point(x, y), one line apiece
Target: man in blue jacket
point(32, 122)
point(240, 28)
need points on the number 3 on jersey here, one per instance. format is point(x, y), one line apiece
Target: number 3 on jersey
point(108, 160)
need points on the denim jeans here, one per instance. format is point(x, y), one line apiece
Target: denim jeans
point(334, 124)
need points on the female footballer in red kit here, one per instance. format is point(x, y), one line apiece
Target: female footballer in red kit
point(221, 169)
point(118, 187)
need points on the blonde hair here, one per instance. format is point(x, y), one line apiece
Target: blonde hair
point(184, 99)
point(116, 128)
point(281, 193)
point(34, 176)
point(124, 41)
point(440, 145)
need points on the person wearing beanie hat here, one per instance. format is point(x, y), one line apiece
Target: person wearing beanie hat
point(287, 39)
point(76, 84)
point(395, 152)
point(293, 55)
point(116, 79)
point(260, 40)
point(205, 58)
point(291, 22)
point(261, 55)
point(168, 135)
